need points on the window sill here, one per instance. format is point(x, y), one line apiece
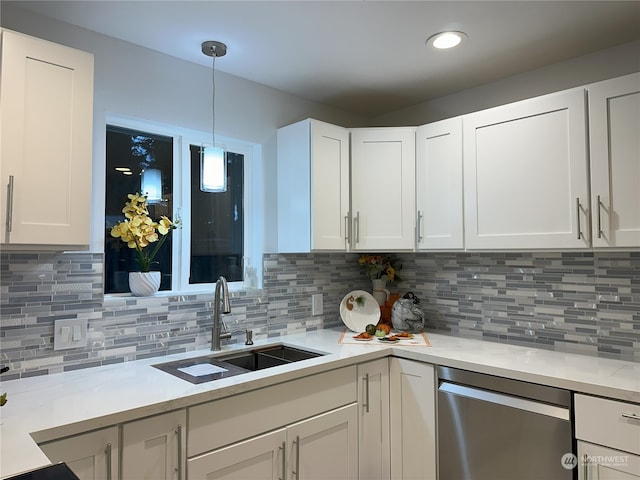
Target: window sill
point(182, 296)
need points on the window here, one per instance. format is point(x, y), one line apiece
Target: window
point(131, 156)
point(215, 237)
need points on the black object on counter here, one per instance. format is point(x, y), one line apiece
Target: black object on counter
point(59, 471)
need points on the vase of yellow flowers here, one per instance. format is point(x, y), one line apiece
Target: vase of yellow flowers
point(380, 270)
point(145, 236)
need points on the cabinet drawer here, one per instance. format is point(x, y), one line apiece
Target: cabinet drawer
point(608, 422)
point(229, 420)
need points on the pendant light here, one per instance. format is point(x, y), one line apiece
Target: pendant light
point(213, 162)
point(151, 185)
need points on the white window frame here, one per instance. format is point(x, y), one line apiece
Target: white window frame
point(252, 199)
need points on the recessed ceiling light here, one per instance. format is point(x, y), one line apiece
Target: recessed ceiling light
point(445, 40)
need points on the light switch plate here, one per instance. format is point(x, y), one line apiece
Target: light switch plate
point(316, 304)
point(70, 333)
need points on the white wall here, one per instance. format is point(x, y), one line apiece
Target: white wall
point(601, 65)
point(141, 83)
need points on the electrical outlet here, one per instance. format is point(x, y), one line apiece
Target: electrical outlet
point(70, 333)
point(316, 304)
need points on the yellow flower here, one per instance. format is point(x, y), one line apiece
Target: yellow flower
point(138, 230)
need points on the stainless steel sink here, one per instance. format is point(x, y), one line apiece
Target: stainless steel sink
point(236, 363)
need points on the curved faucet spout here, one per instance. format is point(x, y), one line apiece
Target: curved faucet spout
point(221, 304)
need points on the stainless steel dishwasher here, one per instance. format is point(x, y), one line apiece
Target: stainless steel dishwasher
point(492, 428)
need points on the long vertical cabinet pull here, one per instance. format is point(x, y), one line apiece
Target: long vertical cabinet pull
point(297, 444)
point(284, 461)
point(9, 206)
point(107, 452)
point(356, 227)
point(578, 218)
point(366, 393)
point(599, 217)
point(179, 467)
point(419, 235)
point(347, 236)
point(585, 466)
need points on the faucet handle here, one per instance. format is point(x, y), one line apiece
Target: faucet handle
point(248, 337)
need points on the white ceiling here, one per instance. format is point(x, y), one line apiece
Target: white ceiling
point(367, 57)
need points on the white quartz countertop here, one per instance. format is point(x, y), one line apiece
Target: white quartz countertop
point(44, 408)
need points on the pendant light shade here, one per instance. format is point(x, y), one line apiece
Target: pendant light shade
point(213, 161)
point(213, 169)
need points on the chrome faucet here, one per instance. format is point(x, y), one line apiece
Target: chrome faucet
point(219, 304)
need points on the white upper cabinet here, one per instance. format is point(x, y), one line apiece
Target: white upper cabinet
point(313, 187)
point(614, 136)
point(526, 174)
point(45, 143)
point(439, 185)
point(383, 188)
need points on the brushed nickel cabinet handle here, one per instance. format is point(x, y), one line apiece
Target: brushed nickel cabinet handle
point(346, 229)
point(9, 206)
point(107, 452)
point(179, 434)
point(631, 416)
point(366, 393)
point(578, 217)
point(599, 218)
point(297, 444)
point(284, 461)
point(419, 227)
point(357, 227)
point(585, 466)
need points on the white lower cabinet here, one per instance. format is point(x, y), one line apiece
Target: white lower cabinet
point(600, 463)
point(259, 457)
point(154, 448)
point(324, 447)
point(91, 456)
point(608, 433)
point(321, 447)
point(413, 420)
point(374, 450)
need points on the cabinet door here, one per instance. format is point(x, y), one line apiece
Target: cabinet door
point(614, 123)
point(45, 146)
point(329, 186)
point(439, 185)
point(262, 458)
point(600, 463)
point(324, 447)
point(374, 457)
point(526, 174)
point(383, 188)
point(413, 420)
point(154, 448)
point(313, 187)
point(91, 456)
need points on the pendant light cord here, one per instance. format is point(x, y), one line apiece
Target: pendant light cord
point(213, 99)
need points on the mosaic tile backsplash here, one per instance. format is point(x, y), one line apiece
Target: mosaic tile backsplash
point(586, 303)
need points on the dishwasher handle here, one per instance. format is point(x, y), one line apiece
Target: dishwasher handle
point(506, 400)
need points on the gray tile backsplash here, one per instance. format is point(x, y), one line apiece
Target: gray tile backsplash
point(587, 303)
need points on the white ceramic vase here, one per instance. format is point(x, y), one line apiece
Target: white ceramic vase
point(144, 284)
point(379, 290)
